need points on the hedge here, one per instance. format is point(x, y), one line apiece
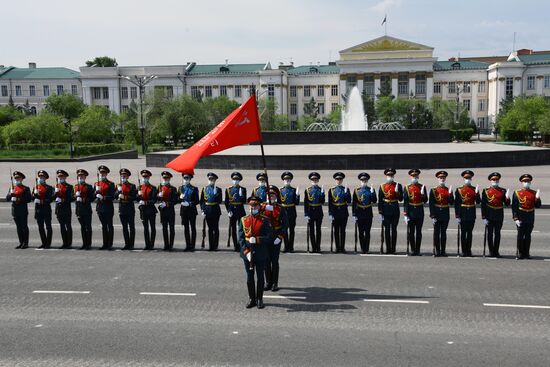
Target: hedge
point(514, 135)
point(462, 134)
point(79, 149)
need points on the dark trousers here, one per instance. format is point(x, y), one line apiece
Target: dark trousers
point(168, 221)
point(524, 240)
point(493, 236)
point(272, 265)
point(314, 227)
point(128, 229)
point(149, 231)
point(66, 230)
point(363, 228)
point(340, 233)
point(107, 229)
point(21, 222)
point(390, 233)
point(290, 233)
point(45, 230)
point(86, 230)
point(189, 223)
point(213, 232)
point(466, 229)
point(440, 237)
point(415, 234)
point(233, 231)
point(259, 267)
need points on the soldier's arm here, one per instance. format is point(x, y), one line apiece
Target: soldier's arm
point(483, 204)
point(399, 192)
point(507, 201)
point(348, 196)
point(132, 195)
point(202, 200)
point(27, 197)
point(458, 201)
point(538, 203)
point(219, 196)
point(380, 200)
point(70, 194)
point(284, 221)
point(405, 201)
point(296, 197)
point(240, 235)
point(451, 199)
point(478, 198)
point(226, 201)
point(425, 195)
point(515, 206)
point(354, 203)
point(266, 232)
point(243, 198)
point(110, 192)
point(330, 204)
point(432, 203)
point(306, 204)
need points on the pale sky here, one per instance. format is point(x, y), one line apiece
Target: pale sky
point(167, 32)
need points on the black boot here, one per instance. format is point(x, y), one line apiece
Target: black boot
point(275, 279)
point(251, 295)
point(260, 294)
point(268, 278)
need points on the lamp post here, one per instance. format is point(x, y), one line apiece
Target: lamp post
point(140, 82)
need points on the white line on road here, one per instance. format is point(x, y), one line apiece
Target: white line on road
point(515, 306)
point(382, 255)
point(395, 300)
point(283, 297)
point(166, 294)
point(307, 254)
point(61, 292)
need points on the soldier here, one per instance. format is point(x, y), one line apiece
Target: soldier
point(440, 199)
point(211, 198)
point(493, 200)
point(147, 196)
point(168, 197)
point(363, 199)
point(413, 209)
point(235, 198)
point(189, 197)
point(466, 198)
point(127, 195)
point(339, 199)
point(255, 235)
point(84, 196)
point(261, 190)
point(43, 196)
point(20, 195)
point(314, 198)
point(290, 199)
point(279, 224)
point(389, 195)
point(524, 202)
point(64, 195)
point(105, 193)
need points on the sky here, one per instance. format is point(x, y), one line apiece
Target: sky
point(174, 32)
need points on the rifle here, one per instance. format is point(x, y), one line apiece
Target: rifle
point(11, 180)
point(203, 231)
point(35, 183)
point(229, 234)
point(355, 236)
point(331, 235)
point(408, 235)
point(485, 239)
point(458, 241)
point(382, 238)
point(307, 235)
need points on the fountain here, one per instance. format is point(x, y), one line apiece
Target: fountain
point(353, 117)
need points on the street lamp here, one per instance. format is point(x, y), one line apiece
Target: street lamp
point(140, 82)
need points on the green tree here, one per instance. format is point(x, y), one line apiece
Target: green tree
point(281, 123)
point(369, 107)
point(65, 105)
point(311, 109)
point(268, 110)
point(184, 117)
point(9, 114)
point(102, 61)
point(218, 108)
point(384, 109)
point(526, 115)
point(385, 89)
point(95, 125)
point(42, 129)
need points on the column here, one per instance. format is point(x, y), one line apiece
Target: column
point(360, 83)
point(394, 90)
point(376, 86)
point(412, 84)
point(342, 89)
point(429, 87)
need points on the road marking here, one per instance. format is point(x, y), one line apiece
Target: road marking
point(515, 306)
point(283, 297)
point(395, 300)
point(383, 255)
point(166, 294)
point(61, 292)
point(39, 325)
point(306, 254)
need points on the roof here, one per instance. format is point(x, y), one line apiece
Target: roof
point(314, 69)
point(534, 59)
point(39, 73)
point(460, 65)
point(386, 43)
point(229, 68)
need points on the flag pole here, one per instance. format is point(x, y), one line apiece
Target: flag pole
point(262, 150)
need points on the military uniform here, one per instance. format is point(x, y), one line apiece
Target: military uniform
point(64, 195)
point(261, 190)
point(524, 202)
point(314, 198)
point(189, 198)
point(211, 198)
point(43, 195)
point(493, 200)
point(279, 224)
point(466, 198)
point(147, 197)
point(19, 196)
point(168, 197)
point(235, 198)
point(389, 196)
point(413, 209)
point(255, 235)
point(105, 193)
point(440, 199)
point(127, 195)
point(84, 196)
point(363, 199)
point(290, 199)
point(339, 199)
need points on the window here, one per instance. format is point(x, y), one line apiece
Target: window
point(351, 82)
point(271, 90)
point(466, 103)
point(531, 82)
point(46, 90)
point(124, 92)
point(481, 87)
point(320, 91)
point(481, 122)
point(403, 84)
point(97, 93)
point(74, 90)
point(133, 92)
point(208, 91)
point(321, 108)
point(334, 107)
point(105, 93)
point(307, 90)
point(293, 125)
point(251, 90)
point(4, 91)
point(437, 88)
point(59, 90)
point(293, 91)
point(451, 88)
point(509, 88)
point(368, 86)
point(420, 85)
point(32, 91)
point(293, 109)
point(18, 90)
point(169, 91)
point(547, 81)
point(223, 90)
point(334, 90)
point(238, 91)
point(195, 93)
point(466, 87)
point(125, 108)
point(482, 105)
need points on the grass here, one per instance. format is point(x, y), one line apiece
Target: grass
point(52, 153)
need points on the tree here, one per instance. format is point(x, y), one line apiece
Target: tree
point(218, 108)
point(182, 118)
point(9, 114)
point(42, 129)
point(385, 89)
point(384, 109)
point(281, 123)
point(369, 107)
point(311, 109)
point(65, 105)
point(526, 115)
point(102, 61)
point(268, 109)
point(95, 125)
point(10, 102)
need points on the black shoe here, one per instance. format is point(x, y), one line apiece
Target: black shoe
point(18, 246)
point(275, 287)
point(268, 287)
point(42, 246)
point(444, 254)
point(259, 297)
point(260, 304)
point(251, 303)
point(24, 246)
point(251, 295)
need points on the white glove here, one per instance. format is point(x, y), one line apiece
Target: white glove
point(354, 218)
point(139, 193)
point(57, 200)
point(185, 203)
point(56, 189)
point(269, 208)
point(307, 219)
point(229, 214)
point(162, 205)
point(203, 214)
point(537, 195)
point(518, 223)
point(119, 188)
point(372, 190)
point(252, 240)
point(97, 188)
point(331, 218)
point(37, 201)
point(406, 219)
point(485, 222)
point(434, 221)
point(12, 192)
point(141, 202)
point(451, 189)
point(78, 194)
point(99, 196)
point(13, 198)
point(79, 199)
point(508, 194)
point(381, 217)
point(277, 241)
point(35, 191)
point(182, 196)
point(458, 220)
point(422, 190)
point(160, 194)
point(477, 189)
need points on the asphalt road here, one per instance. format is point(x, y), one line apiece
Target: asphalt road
point(117, 308)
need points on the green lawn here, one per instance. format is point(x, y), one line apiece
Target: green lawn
point(5, 153)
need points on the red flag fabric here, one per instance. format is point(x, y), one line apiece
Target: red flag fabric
point(242, 126)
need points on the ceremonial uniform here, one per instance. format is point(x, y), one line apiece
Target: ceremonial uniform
point(43, 196)
point(524, 202)
point(189, 198)
point(64, 195)
point(261, 190)
point(364, 197)
point(389, 195)
point(168, 197)
point(235, 198)
point(211, 198)
point(441, 197)
point(105, 193)
point(314, 198)
point(147, 197)
point(279, 224)
point(289, 199)
point(493, 200)
point(466, 198)
point(127, 195)
point(84, 196)
point(20, 196)
point(413, 209)
point(339, 199)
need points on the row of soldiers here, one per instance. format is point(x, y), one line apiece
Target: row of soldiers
point(414, 196)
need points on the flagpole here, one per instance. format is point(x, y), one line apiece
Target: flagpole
point(262, 149)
